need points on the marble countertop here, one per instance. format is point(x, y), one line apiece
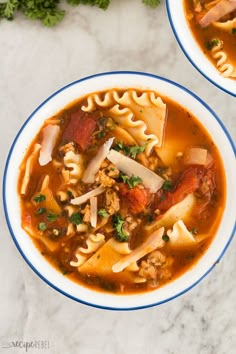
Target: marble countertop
point(36, 61)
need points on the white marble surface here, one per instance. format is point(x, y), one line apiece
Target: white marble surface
point(36, 61)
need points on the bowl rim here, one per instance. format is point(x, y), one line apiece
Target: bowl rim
point(110, 73)
point(195, 65)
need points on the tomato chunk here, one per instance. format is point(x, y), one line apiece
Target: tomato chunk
point(80, 129)
point(187, 184)
point(197, 179)
point(136, 199)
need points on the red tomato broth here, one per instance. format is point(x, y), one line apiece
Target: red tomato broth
point(190, 133)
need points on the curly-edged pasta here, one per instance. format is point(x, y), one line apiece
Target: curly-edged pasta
point(74, 163)
point(93, 242)
point(142, 115)
point(222, 61)
point(136, 128)
point(227, 26)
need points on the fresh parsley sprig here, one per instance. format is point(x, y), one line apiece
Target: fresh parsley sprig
point(49, 11)
point(131, 181)
point(118, 223)
point(76, 218)
point(131, 151)
point(103, 213)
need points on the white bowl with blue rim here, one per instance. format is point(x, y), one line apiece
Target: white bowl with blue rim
point(185, 38)
point(56, 102)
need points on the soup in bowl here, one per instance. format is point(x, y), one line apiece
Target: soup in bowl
point(206, 32)
point(116, 190)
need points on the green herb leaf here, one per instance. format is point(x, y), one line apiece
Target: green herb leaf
point(118, 223)
point(233, 31)
point(76, 218)
point(41, 211)
point(151, 3)
point(130, 150)
point(9, 8)
point(134, 150)
point(194, 231)
point(165, 238)
point(39, 198)
point(213, 43)
point(51, 217)
point(48, 11)
point(70, 194)
point(102, 4)
point(101, 134)
point(131, 181)
point(167, 186)
point(103, 213)
point(42, 226)
point(150, 218)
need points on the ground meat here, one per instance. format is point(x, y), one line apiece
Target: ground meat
point(147, 270)
point(155, 267)
point(67, 147)
point(112, 201)
point(86, 213)
point(157, 258)
point(104, 179)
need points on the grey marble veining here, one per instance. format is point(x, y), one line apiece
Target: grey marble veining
point(36, 61)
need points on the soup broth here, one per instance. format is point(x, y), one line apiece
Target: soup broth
point(122, 191)
point(217, 38)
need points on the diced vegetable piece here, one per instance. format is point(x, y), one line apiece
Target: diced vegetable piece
point(195, 156)
point(136, 199)
point(95, 163)
point(153, 242)
point(80, 129)
point(188, 183)
point(50, 136)
point(83, 198)
point(150, 179)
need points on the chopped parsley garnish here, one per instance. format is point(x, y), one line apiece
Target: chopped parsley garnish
point(131, 181)
point(150, 218)
point(101, 134)
point(194, 231)
point(233, 31)
point(70, 194)
point(213, 43)
point(167, 186)
point(103, 213)
point(131, 151)
point(51, 217)
point(39, 198)
point(41, 211)
point(42, 226)
point(76, 218)
point(118, 223)
point(165, 238)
